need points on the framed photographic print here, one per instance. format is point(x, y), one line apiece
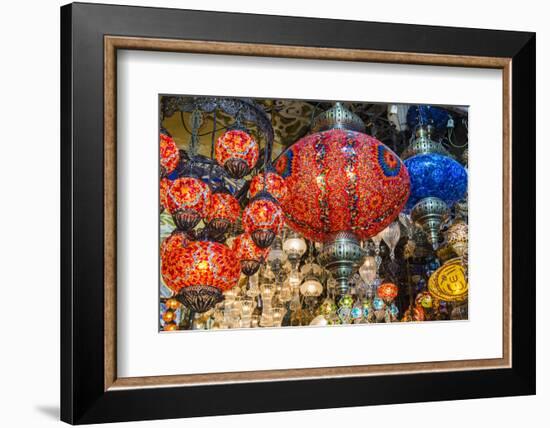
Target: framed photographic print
point(264, 213)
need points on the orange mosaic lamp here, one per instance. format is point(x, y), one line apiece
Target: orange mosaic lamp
point(388, 291)
point(187, 200)
point(199, 273)
point(250, 256)
point(263, 219)
point(270, 182)
point(237, 152)
point(222, 211)
point(169, 154)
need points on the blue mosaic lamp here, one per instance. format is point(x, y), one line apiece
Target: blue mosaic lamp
point(427, 115)
point(437, 180)
point(435, 175)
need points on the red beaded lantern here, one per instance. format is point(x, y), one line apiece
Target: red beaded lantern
point(169, 154)
point(340, 179)
point(237, 152)
point(270, 182)
point(387, 291)
point(187, 201)
point(176, 239)
point(164, 186)
point(249, 254)
point(223, 209)
point(200, 272)
point(263, 219)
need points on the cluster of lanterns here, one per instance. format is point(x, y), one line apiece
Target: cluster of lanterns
point(336, 194)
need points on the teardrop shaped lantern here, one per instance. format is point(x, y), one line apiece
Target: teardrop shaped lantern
point(169, 153)
point(187, 200)
point(249, 255)
point(457, 237)
point(391, 235)
point(237, 152)
point(222, 211)
point(263, 219)
point(199, 273)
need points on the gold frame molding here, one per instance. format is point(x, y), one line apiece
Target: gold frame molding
point(113, 43)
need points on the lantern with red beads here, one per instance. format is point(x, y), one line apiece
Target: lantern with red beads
point(271, 182)
point(250, 256)
point(169, 154)
point(223, 210)
point(237, 152)
point(263, 219)
point(187, 200)
point(199, 273)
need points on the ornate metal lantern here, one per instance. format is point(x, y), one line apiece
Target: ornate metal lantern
point(237, 152)
point(199, 272)
point(457, 237)
point(187, 200)
point(341, 256)
point(429, 213)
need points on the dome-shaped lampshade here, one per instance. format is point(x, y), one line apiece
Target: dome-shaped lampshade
point(311, 287)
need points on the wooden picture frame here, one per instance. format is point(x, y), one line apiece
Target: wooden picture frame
point(91, 390)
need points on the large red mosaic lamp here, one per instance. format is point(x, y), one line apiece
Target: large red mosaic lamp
point(344, 186)
point(198, 272)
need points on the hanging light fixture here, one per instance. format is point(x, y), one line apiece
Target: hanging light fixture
point(187, 199)
point(270, 182)
point(429, 213)
point(391, 235)
point(335, 167)
point(387, 292)
point(339, 166)
point(367, 271)
point(169, 153)
point(449, 283)
point(294, 247)
point(199, 272)
point(177, 238)
point(341, 256)
point(237, 152)
point(223, 210)
point(457, 237)
point(263, 219)
point(248, 254)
